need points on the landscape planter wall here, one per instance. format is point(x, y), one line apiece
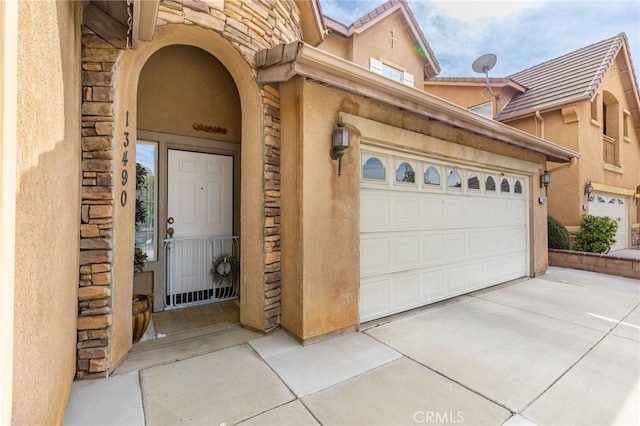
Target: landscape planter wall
point(596, 262)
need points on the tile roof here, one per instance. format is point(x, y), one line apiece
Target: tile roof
point(576, 75)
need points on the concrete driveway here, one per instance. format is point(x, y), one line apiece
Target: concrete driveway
point(560, 349)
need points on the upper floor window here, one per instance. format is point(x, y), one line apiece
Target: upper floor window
point(390, 71)
point(485, 110)
point(611, 116)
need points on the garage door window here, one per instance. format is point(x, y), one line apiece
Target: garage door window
point(454, 181)
point(432, 176)
point(473, 182)
point(517, 187)
point(490, 184)
point(405, 173)
point(373, 169)
point(504, 186)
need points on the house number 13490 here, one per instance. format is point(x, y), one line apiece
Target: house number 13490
point(124, 175)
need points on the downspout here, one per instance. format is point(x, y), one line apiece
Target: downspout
point(538, 118)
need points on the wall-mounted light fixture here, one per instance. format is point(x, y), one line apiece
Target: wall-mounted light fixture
point(636, 196)
point(545, 180)
point(588, 189)
point(339, 144)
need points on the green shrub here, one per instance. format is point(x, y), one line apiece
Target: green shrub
point(596, 234)
point(558, 236)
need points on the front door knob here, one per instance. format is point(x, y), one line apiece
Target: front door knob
point(170, 232)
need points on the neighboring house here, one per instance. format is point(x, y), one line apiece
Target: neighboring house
point(234, 111)
point(587, 101)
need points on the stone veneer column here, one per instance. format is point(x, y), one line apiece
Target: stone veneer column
point(96, 242)
point(272, 272)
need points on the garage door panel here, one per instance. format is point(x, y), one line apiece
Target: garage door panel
point(454, 245)
point(404, 292)
point(473, 213)
point(432, 212)
point(454, 280)
point(405, 213)
point(491, 269)
point(374, 211)
point(491, 242)
point(405, 251)
point(474, 276)
point(431, 286)
point(453, 212)
point(474, 244)
point(431, 249)
point(374, 255)
point(491, 212)
point(374, 298)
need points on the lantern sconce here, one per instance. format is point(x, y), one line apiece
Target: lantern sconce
point(339, 144)
point(588, 189)
point(545, 180)
point(636, 195)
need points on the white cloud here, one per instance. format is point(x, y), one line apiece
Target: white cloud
point(470, 10)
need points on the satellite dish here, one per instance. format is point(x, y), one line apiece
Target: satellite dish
point(484, 63)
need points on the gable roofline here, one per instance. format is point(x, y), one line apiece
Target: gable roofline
point(432, 67)
point(311, 21)
point(281, 63)
point(572, 77)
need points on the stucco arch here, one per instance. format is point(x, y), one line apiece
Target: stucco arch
point(126, 77)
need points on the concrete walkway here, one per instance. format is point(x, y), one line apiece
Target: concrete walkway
point(560, 349)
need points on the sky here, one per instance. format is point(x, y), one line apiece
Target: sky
point(520, 33)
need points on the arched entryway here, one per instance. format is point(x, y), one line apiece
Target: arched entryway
point(110, 130)
point(189, 143)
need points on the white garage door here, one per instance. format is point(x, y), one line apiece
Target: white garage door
point(615, 207)
point(431, 230)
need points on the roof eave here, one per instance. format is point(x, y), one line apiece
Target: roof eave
point(337, 72)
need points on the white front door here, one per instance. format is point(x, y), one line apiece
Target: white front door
point(200, 197)
point(199, 212)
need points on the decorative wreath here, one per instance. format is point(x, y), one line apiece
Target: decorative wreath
point(225, 270)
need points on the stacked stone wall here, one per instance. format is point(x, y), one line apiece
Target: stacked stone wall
point(635, 236)
point(272, 270)
point(250, 25)
point(96, 222)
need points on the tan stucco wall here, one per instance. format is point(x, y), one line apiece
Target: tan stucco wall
point(47, 209)
point(251, 204)
point(192, 81)
point(337, 45)
point(376, 42)
point(320, 211)
point(320, 222)
point(470, 94)
point(8, 99)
